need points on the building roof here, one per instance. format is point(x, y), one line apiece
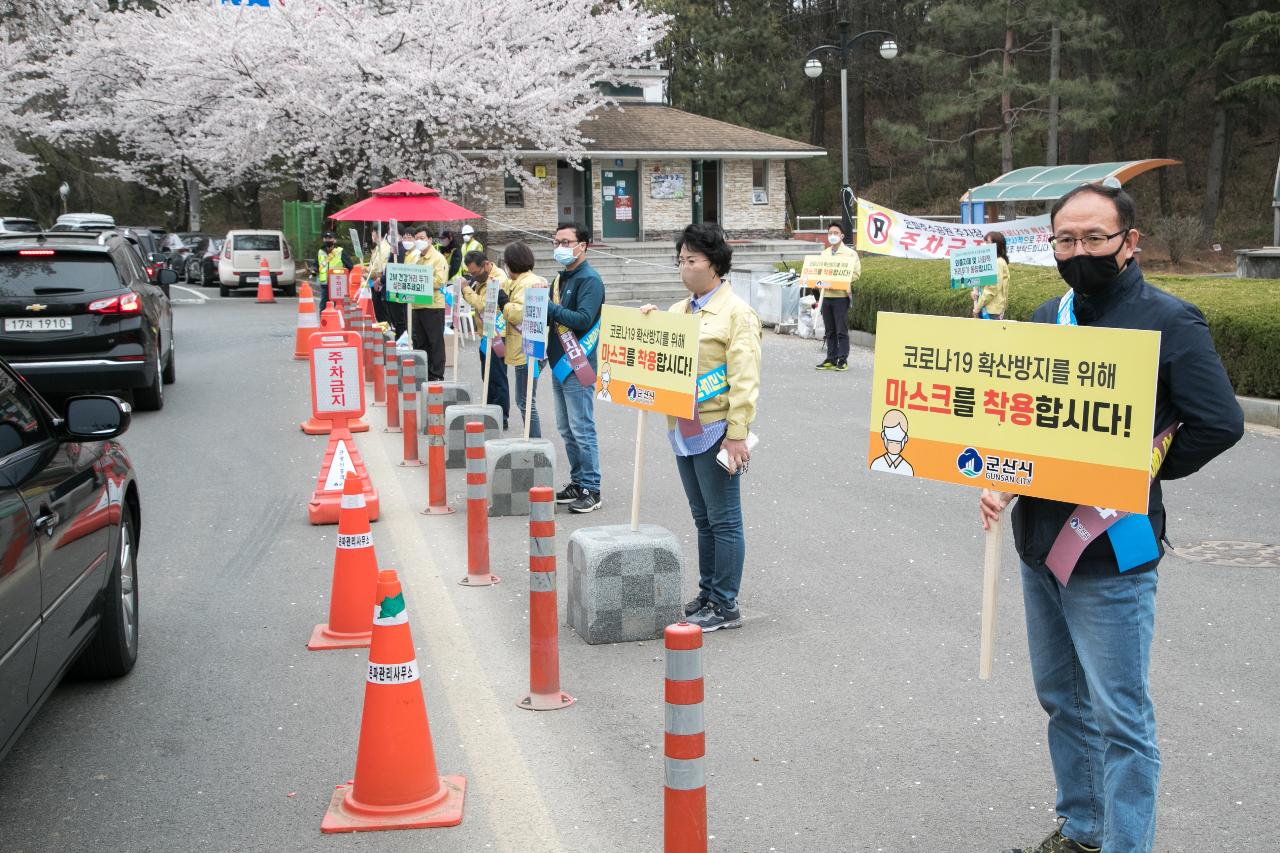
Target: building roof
point(1046, 183)
point(656, 130)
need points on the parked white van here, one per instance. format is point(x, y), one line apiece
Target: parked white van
point(241, 259)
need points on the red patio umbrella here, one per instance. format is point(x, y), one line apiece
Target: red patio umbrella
point(404, 201)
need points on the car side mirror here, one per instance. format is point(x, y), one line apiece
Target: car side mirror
point(95, 417)
point(166, 277)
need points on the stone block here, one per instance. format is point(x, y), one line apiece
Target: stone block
point(455, 394)
point(624, 585)
point(516, 465)
point(455, 429)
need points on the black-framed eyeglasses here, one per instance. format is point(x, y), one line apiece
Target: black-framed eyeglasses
point(1093, 243)
point(564, 244)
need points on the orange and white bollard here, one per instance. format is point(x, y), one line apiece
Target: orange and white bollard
point(266, 293)
point(392, 366)
point(477, 511)
point(544, 625)
point(409, 414)
point(379, 371)
point(437, 503)
point(684, 813)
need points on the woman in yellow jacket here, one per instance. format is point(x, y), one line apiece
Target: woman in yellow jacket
point(729, 359)
point(518, 260)
point(992, 301)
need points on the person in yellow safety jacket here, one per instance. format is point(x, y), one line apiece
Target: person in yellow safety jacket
point(518, 260)
point(378, 260)
point(427, 330)
point(835, 304)
point(482, 274)
point(990, 303)
point(330, 257)
point(469, 243)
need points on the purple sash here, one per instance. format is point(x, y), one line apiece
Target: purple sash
point(1087, 523)
point(577, 359)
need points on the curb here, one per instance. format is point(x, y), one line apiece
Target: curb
point(1257, 411)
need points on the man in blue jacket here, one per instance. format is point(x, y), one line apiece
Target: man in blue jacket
point(1090, 638)
point(573, 316)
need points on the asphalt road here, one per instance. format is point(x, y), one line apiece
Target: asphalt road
point(845, 716)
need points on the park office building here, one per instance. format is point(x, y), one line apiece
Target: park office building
point(648, 170)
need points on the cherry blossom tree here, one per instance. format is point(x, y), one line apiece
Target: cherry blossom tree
point(340, 94)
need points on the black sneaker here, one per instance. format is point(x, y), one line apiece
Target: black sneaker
point(1055, 843)
point(587, 501)
point(696, 604)
point(569, 494)
point(713, 617)
point(827, 364)
point(841, 364)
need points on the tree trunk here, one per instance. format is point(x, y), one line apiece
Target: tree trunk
point(1215, 169)
point(1082, 138)
point(971, 151)
point(1055, 71)
point(1160, 148)
point(253, 203)
point(1006, 114)
point(193, 204)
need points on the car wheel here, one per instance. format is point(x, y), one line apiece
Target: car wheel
point(114, 649)
point(171, 366)
point(151, 398)
point(193, 271)
point(291, 290)
point(223, 290)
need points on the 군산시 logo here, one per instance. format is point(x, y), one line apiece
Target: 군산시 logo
point(969, 462)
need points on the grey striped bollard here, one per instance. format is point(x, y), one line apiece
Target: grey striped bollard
point(392, 360)
point(477, 511)
point(544, 626)
point(684, 813)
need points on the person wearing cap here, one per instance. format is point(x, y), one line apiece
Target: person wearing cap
point(330, 257)
point(835, 304)
point(481, 274)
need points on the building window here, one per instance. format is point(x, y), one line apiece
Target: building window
point(759, 181)
point(512, 190)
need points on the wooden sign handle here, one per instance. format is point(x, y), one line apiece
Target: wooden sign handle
point(990, 578)
point(639, 469)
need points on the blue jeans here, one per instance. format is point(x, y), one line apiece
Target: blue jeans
point(1090, 644)
point(531, 418)
point(716, 503)
point(576, 419)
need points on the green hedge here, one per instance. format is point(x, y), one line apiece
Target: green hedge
point(1243, 314)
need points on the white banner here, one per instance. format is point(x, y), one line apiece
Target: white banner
point(882, 231)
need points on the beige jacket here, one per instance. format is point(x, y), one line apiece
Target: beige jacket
point(996, 298)
point(513, 313)
point(432, 257)
point(475, 296)
point(842, 249)
point(729, 334)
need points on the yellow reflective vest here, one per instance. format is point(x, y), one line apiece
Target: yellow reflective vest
point(331, 261)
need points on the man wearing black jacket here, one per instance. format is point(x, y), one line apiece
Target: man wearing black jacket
point(1090, 640)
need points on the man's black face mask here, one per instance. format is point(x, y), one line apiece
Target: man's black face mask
point(1089, 275)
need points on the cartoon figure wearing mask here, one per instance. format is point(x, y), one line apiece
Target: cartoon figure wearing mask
point(893, 432)
point(603, 393)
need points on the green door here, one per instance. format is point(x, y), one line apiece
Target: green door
point(620, 204)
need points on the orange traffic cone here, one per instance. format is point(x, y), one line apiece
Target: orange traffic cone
point(331, 319)
point(340, 456)
point(355, 577)
point(308, 324)
point(266, 293)
point(304, 291)
point(396, 786)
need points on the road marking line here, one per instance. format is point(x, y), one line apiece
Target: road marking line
point(200, 297)
point(496, 768)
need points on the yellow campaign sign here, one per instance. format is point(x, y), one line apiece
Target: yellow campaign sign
point(648, 361)
point(1058, 412)
point(834, 272)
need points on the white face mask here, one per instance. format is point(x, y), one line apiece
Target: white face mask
point(421, 245)
point(407, 244)
point(833, 238)
point(894, 433)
